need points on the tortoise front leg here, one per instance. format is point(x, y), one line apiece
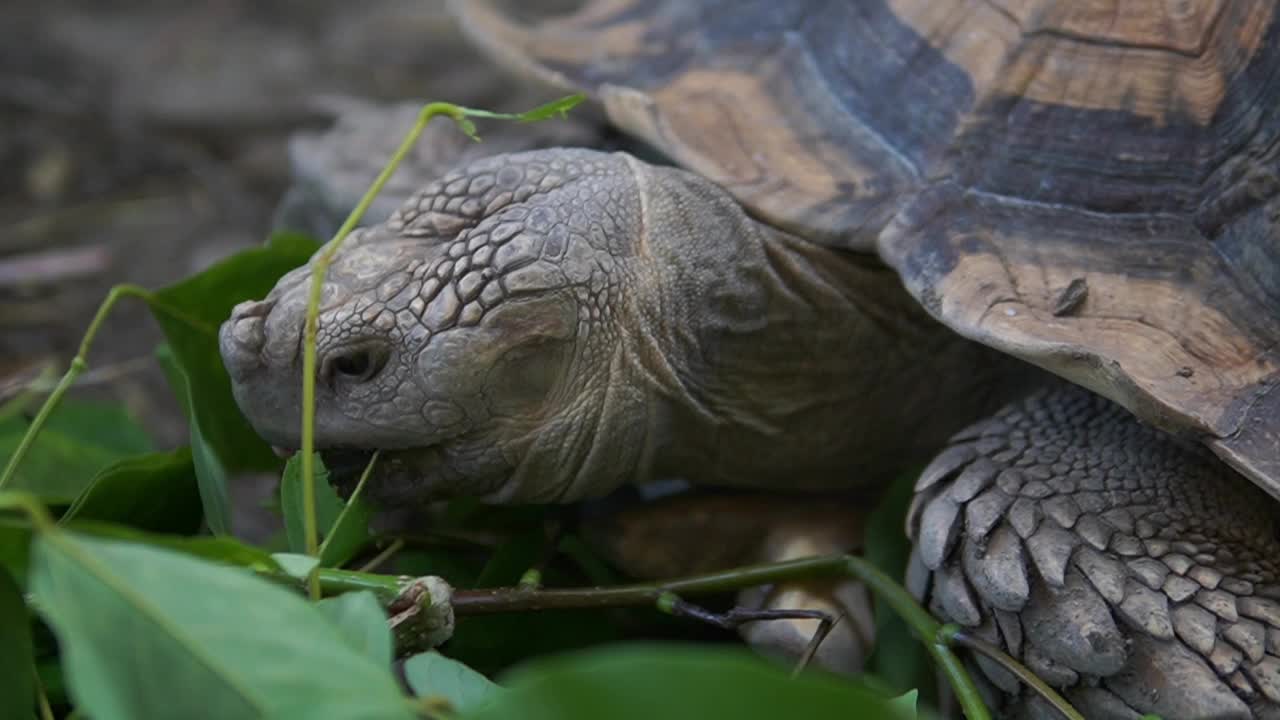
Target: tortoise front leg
point(1133, 571)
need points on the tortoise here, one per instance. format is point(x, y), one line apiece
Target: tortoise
point(1036, 240)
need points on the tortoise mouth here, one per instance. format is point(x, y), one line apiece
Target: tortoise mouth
point(345, 466)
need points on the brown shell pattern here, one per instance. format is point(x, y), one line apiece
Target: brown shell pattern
point(1090, 185)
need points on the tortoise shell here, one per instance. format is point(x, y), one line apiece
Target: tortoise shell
point(1089, 185)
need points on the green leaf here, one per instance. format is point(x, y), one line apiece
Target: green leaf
point(328, 504)
point(297, 565)
point(155, 492)
point(363, 623)
point(15, 545)
point(343, 527)
point(432, 674)
point(149, 633)
point(642, 682)
point(78, 441)
point(349, 534)
point(17, 663)
point(190, 313)
point(555, 108)
point(350, 530)
point(222, 549)
point(211, 475)
point(905, 703)
point(899, 659)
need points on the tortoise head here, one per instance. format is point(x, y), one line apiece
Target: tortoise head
point(473, 336)
point(546, 326)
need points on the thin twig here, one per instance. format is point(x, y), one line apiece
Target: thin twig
point(351, 501)
point(78, 365)
point(504, 600)
point(396, 546)
point(80, 362)
point(824, 629)
point(46, 380)
point(42, 700)
point(737, 617)
point(954, 635)
point(310, 328)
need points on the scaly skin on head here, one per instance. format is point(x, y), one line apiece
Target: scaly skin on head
point(545, 326)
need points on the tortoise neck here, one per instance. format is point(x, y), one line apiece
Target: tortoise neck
point(783, 364)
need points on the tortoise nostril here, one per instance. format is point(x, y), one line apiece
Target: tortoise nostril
point(353, 365)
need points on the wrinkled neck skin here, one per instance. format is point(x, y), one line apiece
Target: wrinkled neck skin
point(772, 362)
point(548, 326)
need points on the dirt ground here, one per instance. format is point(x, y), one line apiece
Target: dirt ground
point(141, 141)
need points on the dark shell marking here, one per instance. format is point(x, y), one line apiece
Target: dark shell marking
point(993, 153)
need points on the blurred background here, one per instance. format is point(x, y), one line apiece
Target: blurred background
point(141, 141)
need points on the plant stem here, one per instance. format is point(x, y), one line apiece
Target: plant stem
point(319, 268)
point(926, 628)
point(33, 430)
point(954, 635)
point(351, 503)
point(503, 600)
point(78, 365)
point(42, 701)
point(28, 503)
point(80, 362)
point(396, 546)
point(324, 258)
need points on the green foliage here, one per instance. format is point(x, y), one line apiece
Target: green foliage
point(149, 633)
point(345, 525)
point(155, 620)
point(898, 659)
point(79, 440)
point(221, 549)
point(328, 504)
point(905, 703)
point(363, 624)
point(555, 108)
point(155, 492)
point(298, 565)
point(211, 474)
point(190, 312)
point(17, 670)
point(15, 542)
point(432, 675)
point(673, 681)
